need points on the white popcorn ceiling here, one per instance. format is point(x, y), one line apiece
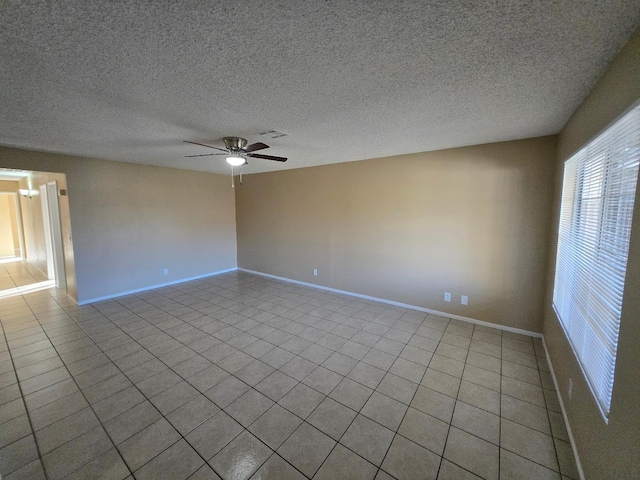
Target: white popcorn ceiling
point(346, 80)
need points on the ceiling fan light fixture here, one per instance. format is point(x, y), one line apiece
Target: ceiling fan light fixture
point(236, 160)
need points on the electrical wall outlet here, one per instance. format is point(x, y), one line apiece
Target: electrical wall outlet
point(570, 388)
point(447, 296)
point(165, 271)
point(315, 272)
point(464, 300)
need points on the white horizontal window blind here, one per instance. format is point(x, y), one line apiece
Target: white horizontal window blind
point(598, 194)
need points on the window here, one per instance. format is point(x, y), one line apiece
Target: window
point(598, 194)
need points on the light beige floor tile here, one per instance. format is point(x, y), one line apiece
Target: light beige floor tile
point(472, 453)
point(515, 467)
point(526, 414)
point(487, 362)
point(301, 400)
point(480, 397)
point(447, 365)
point(523, 391)
point(529, 443)
point(441, 382)
point(407, 461)
point(277, 469)
point(306, 449)
point(384, 410)
point(451, 471)
point(332, 418)
point(476, 421)
point(425, 430)
point(366, 374)
point(343, 463)
point(352, 394)
point(245, 446)
point(434, 403)
point(397, 388)
point(566, 459)
point(368, 439)
point(247, 408)
point(214, 434)
point(275, 426)
point(483, 377)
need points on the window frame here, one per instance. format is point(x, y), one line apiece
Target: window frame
point(576, 207)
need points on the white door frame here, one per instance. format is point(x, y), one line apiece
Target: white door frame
point(46, 223)
point(53, 233)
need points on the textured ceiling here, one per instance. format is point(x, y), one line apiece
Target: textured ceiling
point(347, 80)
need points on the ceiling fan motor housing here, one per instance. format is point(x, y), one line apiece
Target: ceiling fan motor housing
point(235, 143)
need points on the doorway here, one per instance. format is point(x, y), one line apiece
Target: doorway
point(53, 233)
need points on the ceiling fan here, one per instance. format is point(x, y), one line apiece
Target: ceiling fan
point(237, 151)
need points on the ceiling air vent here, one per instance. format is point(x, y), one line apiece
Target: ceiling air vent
point(272, 134)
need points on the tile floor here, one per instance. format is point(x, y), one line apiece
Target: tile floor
point(238, 376)
point(15, 274)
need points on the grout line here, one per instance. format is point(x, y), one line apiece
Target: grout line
point(276, 402)
point(549, 421)
point(443, 372)
point(234, 295)
point(201, 393)
point(27, 413)
point(89, 406)
point(304, 420)
point(455, 405)
point(346, 376)
point(132, 385)
point(148, 399)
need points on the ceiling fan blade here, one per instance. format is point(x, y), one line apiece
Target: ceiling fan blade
point(267, 157)
point(208, 146)
point(205, 155)
point(254, 147)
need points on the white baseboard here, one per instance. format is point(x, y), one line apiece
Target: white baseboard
point(398, 304)
point(564, 413)
point(153, 287)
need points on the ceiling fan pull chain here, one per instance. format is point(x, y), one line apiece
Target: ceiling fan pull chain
point(240, 168)
point(232, 179)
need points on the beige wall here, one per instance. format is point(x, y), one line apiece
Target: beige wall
point(472, 221)
point(8, 186)
point(613, 450)
point(131, 221)
point(14, 205)
point(7, 220)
